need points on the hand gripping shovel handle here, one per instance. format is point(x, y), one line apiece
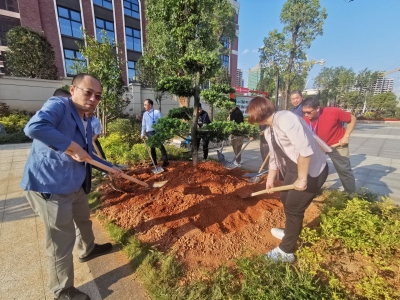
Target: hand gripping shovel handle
point(111, 170)
point(337, 145)
point(274, 189)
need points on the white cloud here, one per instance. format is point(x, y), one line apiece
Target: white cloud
point(246, 51)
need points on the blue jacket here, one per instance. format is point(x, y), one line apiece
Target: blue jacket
point(49, 169)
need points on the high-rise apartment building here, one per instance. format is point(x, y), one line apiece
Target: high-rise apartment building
point(383, 85)
point(61, 20)
point(239, 78)
point(254, 76)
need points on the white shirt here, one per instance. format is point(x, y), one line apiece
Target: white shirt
point(149, 118)
point(96, 125)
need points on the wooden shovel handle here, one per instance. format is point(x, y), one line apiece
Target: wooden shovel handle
point(274, 189)
point(263, 164)
point(97, 150)
point(111, 170)
point(337, 145)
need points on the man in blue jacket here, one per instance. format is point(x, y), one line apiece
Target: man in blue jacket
point(56, 184)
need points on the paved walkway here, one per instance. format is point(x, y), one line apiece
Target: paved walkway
point(375, 157)
point(23, 263)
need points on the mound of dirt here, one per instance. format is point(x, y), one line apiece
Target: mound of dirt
point(198, 214)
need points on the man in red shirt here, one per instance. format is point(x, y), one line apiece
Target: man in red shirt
point(327, 123)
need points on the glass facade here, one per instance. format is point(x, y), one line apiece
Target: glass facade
point(131, 8)
point(70, 57)
point(132, 71)
point(70, 22)
point(133, 39)
point(107, 26)
point(104, 3)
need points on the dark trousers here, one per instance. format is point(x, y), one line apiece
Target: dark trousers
point(205, 147)
point(295, 204)
point(153, 150)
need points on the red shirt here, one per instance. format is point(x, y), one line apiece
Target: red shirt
point(329, 125)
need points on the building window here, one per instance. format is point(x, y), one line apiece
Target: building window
point(10, 5)
point(132, 71)
point(133, 41)
point(225, 42)
point(70, 57)
point(131, 8)
point(225, 60)
point(7, 23)
point(104, 3)
point(70, 22)
point(107, 26)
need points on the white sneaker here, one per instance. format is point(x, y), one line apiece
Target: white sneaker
point(277, 255)
point(239, 165)
point(278, 233)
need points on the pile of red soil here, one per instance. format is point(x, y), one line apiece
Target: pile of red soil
point(198, 214)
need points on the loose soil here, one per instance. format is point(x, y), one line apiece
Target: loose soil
point(198, 214)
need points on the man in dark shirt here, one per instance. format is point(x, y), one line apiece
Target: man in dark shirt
point(297, 101)
point(203, 120)
point(237, 140)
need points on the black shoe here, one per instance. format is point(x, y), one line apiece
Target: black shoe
point(165, 163)
point(97, 251)
point(72, 293)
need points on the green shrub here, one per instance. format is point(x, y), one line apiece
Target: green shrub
point(222, 115)
point(14, 138)
point(397, 114)
point(369, 115)
point(128, 130)
point(4, 110)
point(15, 122)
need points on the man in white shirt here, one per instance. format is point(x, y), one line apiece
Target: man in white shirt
point(96, 130)
point(150, 117)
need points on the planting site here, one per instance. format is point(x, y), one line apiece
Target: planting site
point(198, 214)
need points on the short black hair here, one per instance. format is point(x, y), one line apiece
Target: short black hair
point(79, 77)
point(199, 105)
point(61, 93)
point(296, 92)
point(149, 101)
point(311, 102)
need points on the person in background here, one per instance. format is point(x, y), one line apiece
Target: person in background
point(150, 117)
point(327, 123)
point(300, 155)
point(264, 149)
point(62, 93)
point(297, 101)
point(57, 179)
point(204, 119)
point(236, 115)
point(96, 129)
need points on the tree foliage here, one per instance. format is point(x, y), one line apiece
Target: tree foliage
point(217, 96)
point(184, 44)
point(384, 103)
point(29, 54)
point(285, 51)
point(105, 64)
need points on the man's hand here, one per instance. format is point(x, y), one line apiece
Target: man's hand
point(117, 174)
point(344, 140)
point(77, 152)
point(269, 184)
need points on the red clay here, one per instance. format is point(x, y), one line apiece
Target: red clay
point(198, 214)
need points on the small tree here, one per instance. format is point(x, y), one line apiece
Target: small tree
point(217, 96)
point(29, 54)
point(384, 103)
point(105, 64)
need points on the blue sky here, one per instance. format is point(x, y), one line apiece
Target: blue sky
point(360, 34)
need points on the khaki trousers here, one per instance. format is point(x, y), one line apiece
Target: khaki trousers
point(340, 159)
point(66, 220)
point(237, 143)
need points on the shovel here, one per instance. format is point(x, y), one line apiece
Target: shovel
point(255, 177)
point(156, 170)
point(230, 165)
point(97, 150)
point(274, 189)
point(219, 153)
point(111, 170)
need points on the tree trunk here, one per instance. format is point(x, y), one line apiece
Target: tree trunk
point(211, 114)
point(195, 118)
point(183, 101)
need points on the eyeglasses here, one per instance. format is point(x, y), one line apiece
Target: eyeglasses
point(308, 112)
point(89, 93)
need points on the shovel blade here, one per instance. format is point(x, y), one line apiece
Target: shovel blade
point(157, 170)
point(255, 174)
point(254, 179)
point(158, 184)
